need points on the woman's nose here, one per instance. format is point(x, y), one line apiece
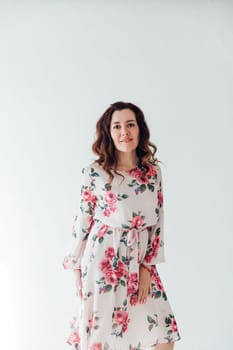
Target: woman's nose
point(124, 130)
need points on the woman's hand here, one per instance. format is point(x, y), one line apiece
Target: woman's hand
point(78, 282)
point(145, 287)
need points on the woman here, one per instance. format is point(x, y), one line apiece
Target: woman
point(118, 240)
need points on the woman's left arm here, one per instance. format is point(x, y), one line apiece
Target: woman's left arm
point(155, 247)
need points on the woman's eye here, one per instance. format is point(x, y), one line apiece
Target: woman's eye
point(131, 125)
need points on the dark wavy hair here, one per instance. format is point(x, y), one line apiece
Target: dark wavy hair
point(105, 148)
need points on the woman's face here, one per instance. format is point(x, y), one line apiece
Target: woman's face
point(124, 130)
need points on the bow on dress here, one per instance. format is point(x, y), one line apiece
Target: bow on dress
point(135, 247)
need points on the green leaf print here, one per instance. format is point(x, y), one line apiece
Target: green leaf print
point(153, 322)
point(122, 283)
point(150, 319)
point(150, 327)
point(101, 239)
point(106, 346)
point(94, 173)
point(107, 187)
point(157, 294)
point(151, 187)
point(143, 188)
point(107, 288)
point(167, 320)
point(124, 196)
point(125, 302)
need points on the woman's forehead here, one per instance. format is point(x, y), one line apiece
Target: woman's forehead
point(125, 115)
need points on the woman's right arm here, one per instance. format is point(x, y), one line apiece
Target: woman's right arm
point(82, 223)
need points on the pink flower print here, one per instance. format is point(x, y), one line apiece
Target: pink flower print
point(137, 221)
point(96, 346)
point(93, 200)
point(156, 279)
point(148, 258)
point(112, 209)
point(155, 246)
point(87, 195)
point(154, 251)
point(174, 325)
point(160, 198)
point(110, 198)
point(125, 327)
point(159, 284)
point(133, 299)
point(102, 231)
point(109, 252)
point(120, 317)
point(90, 322)
point(134, 172)
point(74, 338)
point(121, 269)
point(107, 212)
point(151, 172)
point(111, 277)
point(141, 178)
point(105, 265)
point(132, 283)
point(90, 219)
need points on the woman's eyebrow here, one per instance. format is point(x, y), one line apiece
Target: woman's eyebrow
point(127, 121)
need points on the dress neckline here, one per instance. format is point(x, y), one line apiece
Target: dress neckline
point(128, 170)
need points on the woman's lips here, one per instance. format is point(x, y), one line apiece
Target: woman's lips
point(126, 140)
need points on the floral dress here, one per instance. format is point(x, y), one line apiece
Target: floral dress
point(118, 226)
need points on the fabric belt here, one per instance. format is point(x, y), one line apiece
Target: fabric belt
point(135, 244)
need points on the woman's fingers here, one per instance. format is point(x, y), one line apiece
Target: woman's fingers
point(144, 285)
point(150, 289)
point(79, 289)
point(78, 283)
point(143, 294)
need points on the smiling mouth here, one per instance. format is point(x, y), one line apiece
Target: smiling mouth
point(126, 141)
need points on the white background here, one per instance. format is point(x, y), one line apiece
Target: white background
point(61, 64)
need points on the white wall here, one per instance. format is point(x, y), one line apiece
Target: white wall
point(61, 64)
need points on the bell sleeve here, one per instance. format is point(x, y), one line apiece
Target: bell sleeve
point(83, 221)
point(155, 246)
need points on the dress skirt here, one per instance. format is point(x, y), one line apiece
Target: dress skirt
point(109, 317)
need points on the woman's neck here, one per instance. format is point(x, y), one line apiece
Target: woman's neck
point(126, 161)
